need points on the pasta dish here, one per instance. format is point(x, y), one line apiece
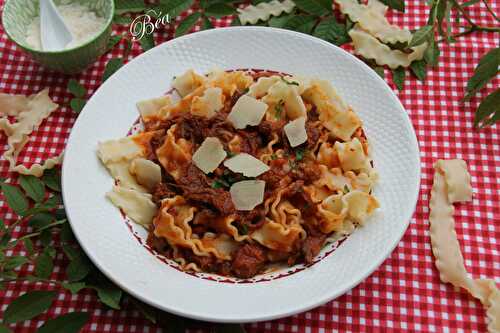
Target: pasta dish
point(235, 171)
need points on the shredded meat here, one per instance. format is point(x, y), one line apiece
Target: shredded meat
point(158, 244)
point(196, 188)
point(248, 261)
point(312, 135)
point(312, 246)
point(308, 172)
point(162, 191)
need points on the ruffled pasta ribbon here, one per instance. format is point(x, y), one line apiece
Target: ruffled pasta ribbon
point(29, 112)
point(452, 184)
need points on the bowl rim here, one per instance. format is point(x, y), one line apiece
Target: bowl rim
point(297, 308)
point(28, 48)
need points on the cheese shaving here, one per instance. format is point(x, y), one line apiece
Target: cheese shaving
point(371, 48)
point(247, 112)
point(264, 10)
point(209, 155)
point(246, 164)
point(187, 82)
point(30, 112)
point(370, 18)
point(247, 194)
point(207, 105)
point(149, 108)
point(452, 183)
point(296, 131)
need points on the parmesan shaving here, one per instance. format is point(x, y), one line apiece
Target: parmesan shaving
point(247, 112)
point(247, 194)
point(371, 18)
point(149, 108)
point(207, 105)
point(146, 172)
point(30, 112)
point(296, 131)
point(263, 11)
point(451, 184)
point(210, 154)
point(246, 164)
point(371, 48)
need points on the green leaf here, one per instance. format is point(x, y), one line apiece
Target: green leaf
point(68, 323)
point(48, 205)
point(315, 7)
point(470, 3)
point(44, 265)
point(175, 7)
point(440, 15)
point(206, 24)
point(74, 287)
point(40, 220)
point(484, 72)
point(235, 22)
point(419, 69)
point(112, 66)
point(2, 226)
point(4, 329)
point(15, 198)
point(332, 31)
point(147, 42)
point(51, 252)
point(421, 35)
point(78, 268)
point(28, 244)
point(33, 186)
point(449, 38)
point(76, 88)
point(28, 305)
point(66, 234)
point(380, 71)
point(229, 328)
point(398, 77)
point(129, 6)
point(219, 10)
point(77, 104)
point(488, 111)
point(109, 294)
point(395, 4)
point(279, 21)
point(300, 23)
point(431, 54)
point(147, 311)
point(46, 237)
point(14, 262)
point(120, 19)
point(52, 179)
point(187, 24)
point(5, 239)
point(70, 252)
point(113, 41)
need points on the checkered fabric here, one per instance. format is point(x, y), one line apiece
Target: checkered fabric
point(404, 293)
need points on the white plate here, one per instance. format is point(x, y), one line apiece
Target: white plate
point(109, 114)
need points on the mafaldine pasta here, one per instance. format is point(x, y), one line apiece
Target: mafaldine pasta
point(238, 170)
point(452, 184)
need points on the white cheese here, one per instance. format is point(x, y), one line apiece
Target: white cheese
point(247, 194)
point(296, 131)
point(247, 111)
point(146, 172)
point(246, 164)
point(210, 154)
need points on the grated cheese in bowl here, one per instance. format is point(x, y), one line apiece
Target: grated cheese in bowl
point(83, 23)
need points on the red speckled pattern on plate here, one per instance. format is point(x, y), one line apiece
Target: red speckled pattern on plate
point(404, 293)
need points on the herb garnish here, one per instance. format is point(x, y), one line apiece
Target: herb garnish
point(278, 109)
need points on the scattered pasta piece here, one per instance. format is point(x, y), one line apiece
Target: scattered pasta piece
point(247, 194)
point(150, 108)
point(264, 10)
point(138, 206)
point(246, 164)
point(30, 112)
point(371, 48)
point(296, 131)
point(452, 184)
point(187, 82)
point(352, 156)
point(147, 172)
point(207, 105)
point(247, 112)
point(210, 154)
point(371, 19)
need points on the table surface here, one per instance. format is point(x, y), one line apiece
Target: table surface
point(405, 292)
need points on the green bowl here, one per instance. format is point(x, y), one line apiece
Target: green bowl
point(18, 14)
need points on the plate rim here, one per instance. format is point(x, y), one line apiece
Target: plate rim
point(295, 308)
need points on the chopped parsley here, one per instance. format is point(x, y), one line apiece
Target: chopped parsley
point(230, 154)
point(299, 154)
point(274, 156)
point(242, 229)
point(278, 109)
point(245, 91)
point(293, 83)
point(346, 189)
point(218, 184)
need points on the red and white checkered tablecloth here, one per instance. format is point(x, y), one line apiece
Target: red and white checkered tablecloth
point(405, 293)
